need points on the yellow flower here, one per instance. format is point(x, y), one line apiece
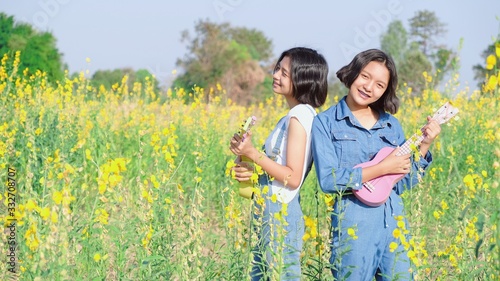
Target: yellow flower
point(396, 233)
point(329, 200)
point(437, 214)
point(492, 82)
point(101, 216)
point(32, 238)
point(453, 260)
point(351, 232)
point(393, 246)
point(57, 196)
point(53, 217)
point(102, 188)
point(470, 160)
point(469, 181)
point(491, 61)
point(444, 205)
point(30, 205)
point(274, 198)
point(308, 221)
point(411, 254)
point(87, 154)
point(284, 209)
point(497, 48)
point(97, 257)
point(401, 224)
point(45, 213)
point(306, 236)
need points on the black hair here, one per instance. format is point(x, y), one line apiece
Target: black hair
point(389, 101)
point(309, 75)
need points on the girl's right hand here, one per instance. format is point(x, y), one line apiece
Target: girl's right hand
point(242, 146)
point(395, 164)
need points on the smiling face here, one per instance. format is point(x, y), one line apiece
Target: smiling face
point(282, 81)
point(369, 86)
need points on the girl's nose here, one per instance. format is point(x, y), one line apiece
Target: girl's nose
point(368, 86)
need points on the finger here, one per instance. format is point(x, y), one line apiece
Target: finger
point(242, 176)
point(405, 157)
point(396, 150)
point(240, 170)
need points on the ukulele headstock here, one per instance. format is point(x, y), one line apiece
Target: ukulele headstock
point(445, 113)
point(245, 127)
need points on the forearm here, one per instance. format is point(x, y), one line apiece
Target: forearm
point(281, 173)
point(417, 173)
point(424, 148)
point(374, 171)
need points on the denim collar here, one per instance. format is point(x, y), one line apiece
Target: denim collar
point(344, 112)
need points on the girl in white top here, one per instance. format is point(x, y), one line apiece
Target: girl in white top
point(300, 75)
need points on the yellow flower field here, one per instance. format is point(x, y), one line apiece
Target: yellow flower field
point(133, 184)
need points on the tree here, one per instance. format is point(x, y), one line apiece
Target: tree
point(108, 78)
point(234, 57)
point(336, 89)
point(411, 70)
point(395, 42)
point(418, 52)
point(38, 49)
point(426, 28)
point(410, 61)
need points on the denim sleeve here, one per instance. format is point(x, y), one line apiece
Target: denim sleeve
point(331, 177)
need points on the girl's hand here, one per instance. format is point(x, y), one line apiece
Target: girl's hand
point(391, 164)
point(431, 130)
point(243, 171)
point(239, 146)
point(395, 164)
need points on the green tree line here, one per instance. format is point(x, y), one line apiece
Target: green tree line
point(40, 53)
point(240, 60)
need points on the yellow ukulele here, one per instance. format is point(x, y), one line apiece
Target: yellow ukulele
point(246, 186)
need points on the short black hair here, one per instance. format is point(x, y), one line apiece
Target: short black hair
point(389, 101)
point(309, 75)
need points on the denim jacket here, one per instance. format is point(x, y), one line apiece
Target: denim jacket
point(340, 142)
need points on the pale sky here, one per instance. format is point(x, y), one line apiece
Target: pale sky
point(146, 34)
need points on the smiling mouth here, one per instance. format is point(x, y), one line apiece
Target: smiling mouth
point(363, 94)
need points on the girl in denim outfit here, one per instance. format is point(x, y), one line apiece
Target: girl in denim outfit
point(300, 75)
point(350, 133)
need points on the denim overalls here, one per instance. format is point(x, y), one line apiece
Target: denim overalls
point(339, 143)
point(277, 253)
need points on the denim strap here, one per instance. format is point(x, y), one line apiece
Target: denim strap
point(279, 140)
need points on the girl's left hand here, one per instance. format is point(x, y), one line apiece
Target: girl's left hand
point(431, 130)
point(239, 146)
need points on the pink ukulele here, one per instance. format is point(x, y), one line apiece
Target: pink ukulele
point(376, 191)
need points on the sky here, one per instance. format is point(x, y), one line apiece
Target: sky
point(109, 34)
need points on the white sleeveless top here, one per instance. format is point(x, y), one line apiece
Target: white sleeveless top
point(305, 115)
